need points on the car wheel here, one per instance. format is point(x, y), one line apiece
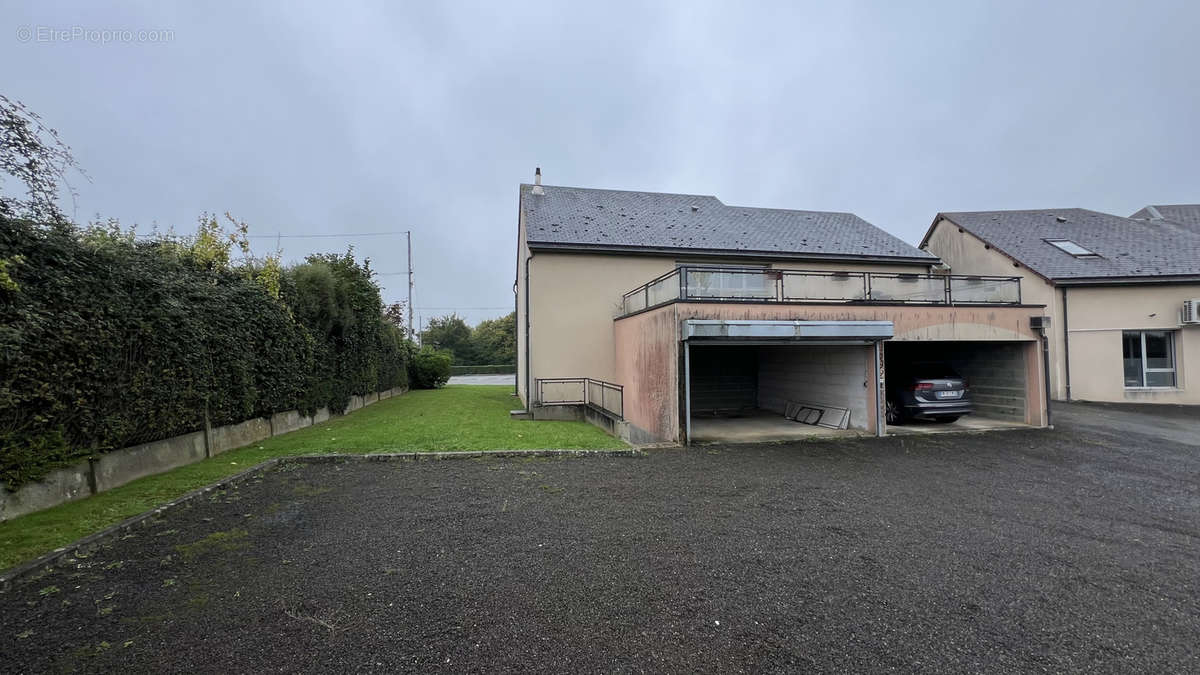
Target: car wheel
point(947, 420)
point(893, 413)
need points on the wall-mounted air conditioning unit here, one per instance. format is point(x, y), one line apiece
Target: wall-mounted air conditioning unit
point(1190, 314)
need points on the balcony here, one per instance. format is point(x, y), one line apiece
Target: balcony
point(696, 283)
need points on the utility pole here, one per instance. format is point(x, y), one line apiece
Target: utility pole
point(410, 286)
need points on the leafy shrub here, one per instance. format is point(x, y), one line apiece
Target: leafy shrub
point(429, 368)
point(107, 341)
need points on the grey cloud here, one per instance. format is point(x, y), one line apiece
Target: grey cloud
point(321, 117)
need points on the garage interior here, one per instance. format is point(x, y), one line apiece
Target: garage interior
point(741, 393)
point(995, 374)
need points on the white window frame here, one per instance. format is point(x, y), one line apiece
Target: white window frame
point(1066, 246)
point(1171, 351)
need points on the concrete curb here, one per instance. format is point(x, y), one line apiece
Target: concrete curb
point(91, 541)
point(462, 454)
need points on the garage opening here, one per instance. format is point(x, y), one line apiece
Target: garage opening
point(774, 392)
point(921, 379)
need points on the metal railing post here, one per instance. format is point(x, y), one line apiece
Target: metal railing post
point(949, 298)
point(866, 285)
point(683, 282)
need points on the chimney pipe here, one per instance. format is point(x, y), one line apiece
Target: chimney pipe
point(537, 176)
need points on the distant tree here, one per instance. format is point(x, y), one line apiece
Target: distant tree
point(32, 153)
point(495, 341)
point(395, 314)
point(491, 342)
point(452, 334)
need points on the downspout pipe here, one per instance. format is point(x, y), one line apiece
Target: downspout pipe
point(1066, 348)
point(1046, 372)
point(516, 313)
point(528, 341)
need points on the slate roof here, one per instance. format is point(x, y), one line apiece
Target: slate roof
point(585, 218)
point(1184, 214)
point(1128, 247)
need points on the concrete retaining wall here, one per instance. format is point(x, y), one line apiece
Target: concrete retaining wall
point(60, 486)
point(583, 413)
point(116, 468)
point(223, 439)
point(122, 466)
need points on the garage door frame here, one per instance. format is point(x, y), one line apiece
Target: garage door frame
point(779, 333)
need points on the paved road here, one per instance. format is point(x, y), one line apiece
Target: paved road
point(509, 380)
point(1068, 550)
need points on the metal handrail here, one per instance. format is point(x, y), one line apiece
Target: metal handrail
point(587, 399)
point(778, 279)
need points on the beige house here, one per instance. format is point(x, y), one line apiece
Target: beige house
point(675, 317)
point(1122, 294)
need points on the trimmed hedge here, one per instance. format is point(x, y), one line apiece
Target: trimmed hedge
point(107, 342)
point(483, 370)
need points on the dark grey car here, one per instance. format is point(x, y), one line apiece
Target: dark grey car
point(926, 391)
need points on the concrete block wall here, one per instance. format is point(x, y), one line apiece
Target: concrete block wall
point(116, 468)
point(828, 375)
point(996, 379)
point(724, 378)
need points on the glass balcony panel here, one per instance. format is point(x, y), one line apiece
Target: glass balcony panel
point(908, 288)
point(798, 286)
point(664, 290)
point(1000, 291)
point(731, 284)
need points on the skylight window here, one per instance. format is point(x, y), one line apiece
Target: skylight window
point(1068, 246)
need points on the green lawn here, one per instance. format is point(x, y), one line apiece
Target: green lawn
point(453, 418)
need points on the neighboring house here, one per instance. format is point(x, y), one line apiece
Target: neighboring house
point(666, 312)
point(1114, 288)
point(1187, 215)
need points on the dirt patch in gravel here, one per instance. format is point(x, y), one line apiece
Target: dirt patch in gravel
point(1016, 551)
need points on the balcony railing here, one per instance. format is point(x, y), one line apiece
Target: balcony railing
point(740, 284)
point(598, 394)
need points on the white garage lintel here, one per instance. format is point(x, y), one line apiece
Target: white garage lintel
point(741, 330)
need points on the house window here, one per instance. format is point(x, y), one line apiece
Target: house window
point(1068, 246)
point(1149, 358)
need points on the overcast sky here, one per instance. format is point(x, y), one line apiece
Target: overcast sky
point(331, 117)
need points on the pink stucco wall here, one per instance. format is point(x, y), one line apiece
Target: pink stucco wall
point(647, 365)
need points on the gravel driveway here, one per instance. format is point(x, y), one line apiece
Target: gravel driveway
point(1025, 550)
